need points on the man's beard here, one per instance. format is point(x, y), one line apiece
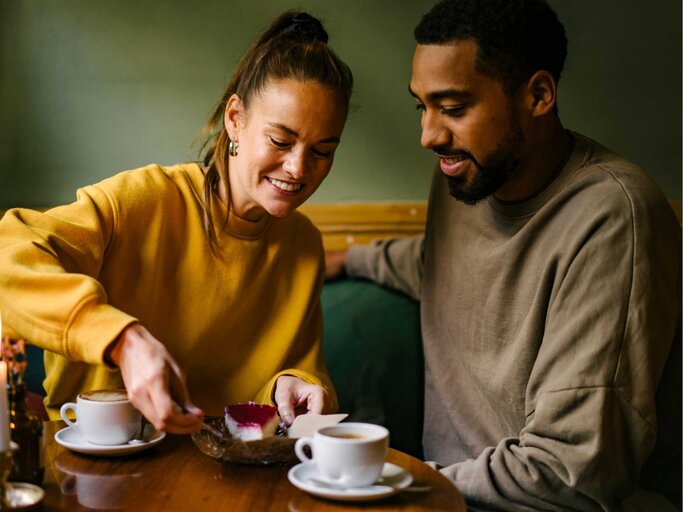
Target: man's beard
point(492, 173)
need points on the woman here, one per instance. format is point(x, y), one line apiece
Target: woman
point(204, 268)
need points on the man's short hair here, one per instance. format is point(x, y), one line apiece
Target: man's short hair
point(516, 38)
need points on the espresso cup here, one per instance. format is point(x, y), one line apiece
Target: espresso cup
point(350, 454)
point(104, 417)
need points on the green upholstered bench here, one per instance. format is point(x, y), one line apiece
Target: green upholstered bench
point(373, 349)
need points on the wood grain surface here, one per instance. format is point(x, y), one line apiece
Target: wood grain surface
point(175, 475)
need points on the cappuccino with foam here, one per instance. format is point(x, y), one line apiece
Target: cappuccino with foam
point(103, 416)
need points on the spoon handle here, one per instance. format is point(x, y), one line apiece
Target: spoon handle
point(342, 487)
point(211, 430)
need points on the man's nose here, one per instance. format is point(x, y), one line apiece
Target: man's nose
point(434, 133)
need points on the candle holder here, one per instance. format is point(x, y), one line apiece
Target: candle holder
point(5, 469)
point(17, 495)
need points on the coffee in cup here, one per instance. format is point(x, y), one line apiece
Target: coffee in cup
point(350, 454)
point(103, 416)
point(349, 436)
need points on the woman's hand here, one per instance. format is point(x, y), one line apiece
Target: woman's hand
point(294, 396)
point(153, 380)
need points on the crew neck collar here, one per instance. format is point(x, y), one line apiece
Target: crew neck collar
point(235, 225)
point(533, 204)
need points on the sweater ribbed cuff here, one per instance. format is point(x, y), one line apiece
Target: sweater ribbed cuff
point(91, 331)
point(267, 392)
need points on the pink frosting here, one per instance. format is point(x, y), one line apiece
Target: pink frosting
point(251, 413)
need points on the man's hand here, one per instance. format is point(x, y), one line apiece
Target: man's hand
point(153, 379)
point(294, 396)
point(335, 264)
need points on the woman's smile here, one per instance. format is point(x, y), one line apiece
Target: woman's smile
point(285, 187)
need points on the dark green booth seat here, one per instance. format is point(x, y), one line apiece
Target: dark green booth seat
point(35, 371)
point(374, 356)
point(373, 349)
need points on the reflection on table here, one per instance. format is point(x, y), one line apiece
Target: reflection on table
point(175, 475)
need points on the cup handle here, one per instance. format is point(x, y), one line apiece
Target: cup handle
point(299, 448)
point(68, 485)
point(69, 406)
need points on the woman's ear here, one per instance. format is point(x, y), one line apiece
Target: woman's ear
point(541, 93)
point(234, 112)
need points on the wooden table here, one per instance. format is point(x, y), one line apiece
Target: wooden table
point(175, 475)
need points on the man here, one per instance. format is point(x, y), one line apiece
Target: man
point(548, 276)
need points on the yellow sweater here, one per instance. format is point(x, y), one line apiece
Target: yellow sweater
point(133, 248)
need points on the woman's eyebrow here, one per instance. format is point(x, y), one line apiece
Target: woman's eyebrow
point(288, 130)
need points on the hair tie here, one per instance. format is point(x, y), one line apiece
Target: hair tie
point(306, 28)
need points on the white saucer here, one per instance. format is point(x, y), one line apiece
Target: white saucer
point(398, 477)
point(72, 439)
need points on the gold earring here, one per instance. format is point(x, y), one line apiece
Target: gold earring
point(233, 148)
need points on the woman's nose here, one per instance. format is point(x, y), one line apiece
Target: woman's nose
point(296, 164)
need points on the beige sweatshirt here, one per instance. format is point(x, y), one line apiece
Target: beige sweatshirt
point(546, 327)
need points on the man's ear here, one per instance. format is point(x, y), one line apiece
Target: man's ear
point(541, 93)
point(234, 112)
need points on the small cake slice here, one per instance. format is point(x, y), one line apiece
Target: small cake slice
point(251, 421)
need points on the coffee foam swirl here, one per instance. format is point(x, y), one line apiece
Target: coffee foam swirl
point(105, 395)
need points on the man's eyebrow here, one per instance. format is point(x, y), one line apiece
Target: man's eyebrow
point(444, 94)
point(288, 130)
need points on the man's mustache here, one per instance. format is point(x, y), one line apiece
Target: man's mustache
point(448, 152)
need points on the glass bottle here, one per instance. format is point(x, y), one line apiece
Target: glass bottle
point(25, 425)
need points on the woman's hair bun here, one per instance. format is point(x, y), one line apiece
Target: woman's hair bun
point(303, 27)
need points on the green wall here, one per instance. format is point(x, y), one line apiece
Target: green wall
point(92, 87)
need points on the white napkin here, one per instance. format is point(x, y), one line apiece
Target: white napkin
point(307, 424)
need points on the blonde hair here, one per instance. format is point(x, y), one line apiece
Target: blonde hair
point(294, 46)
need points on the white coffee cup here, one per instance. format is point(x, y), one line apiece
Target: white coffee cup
point(350, 454)
point(103, 416)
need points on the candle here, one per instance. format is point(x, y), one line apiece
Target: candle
point(4, 409)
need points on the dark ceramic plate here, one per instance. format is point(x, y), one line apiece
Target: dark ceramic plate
point(277, 449)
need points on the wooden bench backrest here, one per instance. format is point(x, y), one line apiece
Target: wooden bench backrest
point(346, 224)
